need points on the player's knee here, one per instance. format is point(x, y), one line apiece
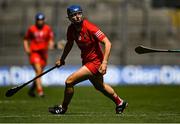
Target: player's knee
point(38, 71)
point(69, 82)
point(69, 85)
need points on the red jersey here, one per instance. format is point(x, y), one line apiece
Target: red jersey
point(88, 40)
point(39, 38)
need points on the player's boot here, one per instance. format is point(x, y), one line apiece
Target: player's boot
point(120, 108)
point(57, 110)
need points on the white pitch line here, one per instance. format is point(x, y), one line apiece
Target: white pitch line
point(85, 114)
point(12, 101)
point(11, 116)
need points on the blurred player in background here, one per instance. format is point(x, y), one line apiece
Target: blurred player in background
point(88, 38)
point(38, 39)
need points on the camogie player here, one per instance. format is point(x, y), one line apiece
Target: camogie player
point(38, 39)
point(94, 62)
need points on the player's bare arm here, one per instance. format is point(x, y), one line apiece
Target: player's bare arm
point(66, 51)
point(107, 49)
point(26, 46)
point(51, 44)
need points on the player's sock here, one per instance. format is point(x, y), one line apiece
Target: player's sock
point(40, 92)
point(64, 106)
point(118, 100)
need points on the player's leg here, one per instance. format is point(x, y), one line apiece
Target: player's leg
point(33, 58)
point(38, 61)
point(107, 90)
point(80, 75)
point(38, 70)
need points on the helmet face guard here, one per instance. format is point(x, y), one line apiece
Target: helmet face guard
point(73, 9)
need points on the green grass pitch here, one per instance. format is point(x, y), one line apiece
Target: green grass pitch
point(150, 104)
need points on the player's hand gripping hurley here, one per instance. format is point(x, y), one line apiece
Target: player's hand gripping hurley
point(13, 90)
point(142, 50)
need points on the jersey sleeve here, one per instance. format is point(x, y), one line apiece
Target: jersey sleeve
point(96, 31)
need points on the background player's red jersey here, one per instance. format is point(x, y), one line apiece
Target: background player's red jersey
point(39, 38)
point(87, 40)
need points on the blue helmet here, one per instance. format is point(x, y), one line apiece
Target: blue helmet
point(39, 16)
point(73, 9)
